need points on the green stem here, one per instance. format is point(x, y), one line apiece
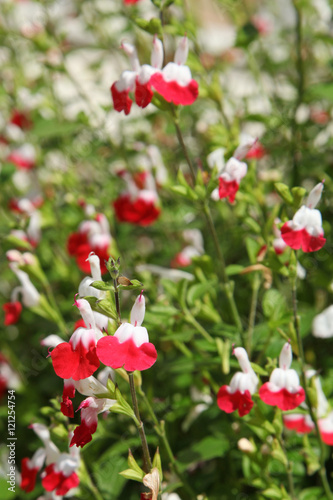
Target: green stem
point(191, 319)
point(253, 311)
point(221, 263)
point(322, 470)
point(182, 143)
point(116, 298)
point(300, 92)
point(61, 323)
point(160, 429)
point(146, 456)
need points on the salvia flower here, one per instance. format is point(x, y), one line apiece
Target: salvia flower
point(59, 475)
point(90, 408)
point(138, 206)
point(175, 83)
point(92, 236)
point(77, 358)
point(305, 230)
point(283, 389)
point(232, 172)
point(129, 346)
point(23, 157)
point(237, 395)
point(136, 80)
point(303, 424)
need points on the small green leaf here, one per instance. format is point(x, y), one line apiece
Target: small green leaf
point(259, 370)
point(104, 286)
point(132, 474)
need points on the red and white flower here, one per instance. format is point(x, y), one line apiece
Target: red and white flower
point(60, 475)
point(194, 249)
point(305, 230)
point(303, 424)
point(77, 358)
point(137, 80)
point(283, 389)
point(23, 157)
point(237, 395)
point(92, 236)
point(138, 206)
point(232, 172)
point(90, 408)
point(129, 346)
point(175, 83)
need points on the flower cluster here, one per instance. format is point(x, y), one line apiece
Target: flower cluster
point(60, 474)
point(75, 361)
point(305, 230)
point(92, 236)
point(283, 389)
point(139, 203)
point(174, 82)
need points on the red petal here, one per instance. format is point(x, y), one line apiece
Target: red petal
point(301, 239)
point(28, 476)
point(143, 93)
point(228, 189)
point(115, 354)
point(51, 478)
point(67, 407)
point(173, 92)
point(75, 240)
point(139, 212)
point(83, 434)
point(327, 437)
point(121, 101)
point(299, 425)
point(12, 312)
point(78, 364)
point(57, 481)
point(283, 399)
point(230, 402)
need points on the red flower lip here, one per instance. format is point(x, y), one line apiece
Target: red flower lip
point(126, 354)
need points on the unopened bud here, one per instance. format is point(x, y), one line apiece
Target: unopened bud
point(246, 446)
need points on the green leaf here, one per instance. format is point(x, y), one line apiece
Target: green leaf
point(206, 449)
point(135, 284)
point(323, 91)
point(132, 474)
point(234, 269)
point(259, 370)
point(47, 129)
point(197, 291)
point(104, 286)
point(273, 493)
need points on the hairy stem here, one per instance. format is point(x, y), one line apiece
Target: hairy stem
point(146, 456)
